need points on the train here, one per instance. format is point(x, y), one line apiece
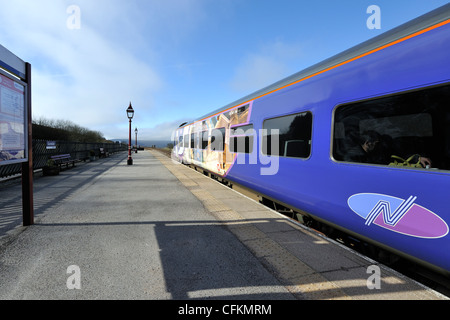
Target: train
point(359, 143)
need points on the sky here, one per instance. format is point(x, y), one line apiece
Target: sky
point(176, 60)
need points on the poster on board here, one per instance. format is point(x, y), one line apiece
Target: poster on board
point(12, 121)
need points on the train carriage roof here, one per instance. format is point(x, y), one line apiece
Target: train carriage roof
point(419, 24)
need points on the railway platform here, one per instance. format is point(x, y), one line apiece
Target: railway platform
point(160, 230)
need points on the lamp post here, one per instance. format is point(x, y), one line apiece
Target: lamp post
point(136, 131)
point(130, 114)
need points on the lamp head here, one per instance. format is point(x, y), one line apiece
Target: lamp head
point(130, 112)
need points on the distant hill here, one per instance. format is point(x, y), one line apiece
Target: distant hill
point(145, 143)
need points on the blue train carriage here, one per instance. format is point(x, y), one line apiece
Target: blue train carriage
point(360, 141)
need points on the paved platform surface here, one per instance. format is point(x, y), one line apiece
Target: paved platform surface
point(159, 230)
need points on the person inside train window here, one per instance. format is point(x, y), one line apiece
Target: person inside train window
point(367, 150)
point(377, 149)
point(412, 126)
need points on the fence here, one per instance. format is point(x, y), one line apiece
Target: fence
point(77, 150)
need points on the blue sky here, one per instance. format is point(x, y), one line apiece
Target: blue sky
point(176, 60)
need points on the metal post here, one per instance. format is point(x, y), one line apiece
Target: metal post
point(130, 113)
point(136, 145)
point(27, 167)
point(130, 160)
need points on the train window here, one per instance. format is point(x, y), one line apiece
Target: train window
point(192, 140)
point(411, 129)
point(292, 134)
point(242, 130)
point(186, 141)
point(241, 139)
point(196, 140)
point(204, 140)
point(218, 139)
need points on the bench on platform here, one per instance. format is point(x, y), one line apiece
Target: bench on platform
point(103, 153)
point(63, 159)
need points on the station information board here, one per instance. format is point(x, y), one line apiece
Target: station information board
point(13, 124)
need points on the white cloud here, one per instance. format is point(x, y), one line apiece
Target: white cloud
point(270, 64)
point(88, 75)
point(161, 132)
point(256, 72)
